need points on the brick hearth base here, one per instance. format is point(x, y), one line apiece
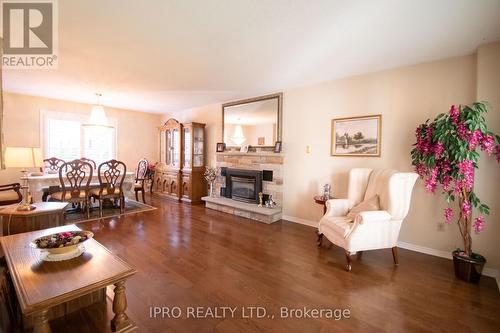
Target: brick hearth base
point(250, 211)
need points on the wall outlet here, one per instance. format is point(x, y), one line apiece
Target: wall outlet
point(308, 149)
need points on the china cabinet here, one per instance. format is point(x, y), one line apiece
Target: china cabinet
point(193, 182)
point(182, 161)
point(168, 177)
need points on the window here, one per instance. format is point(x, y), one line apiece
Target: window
point(99, 143)
point(65, 138)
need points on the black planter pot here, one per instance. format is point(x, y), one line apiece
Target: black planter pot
point(468, 269)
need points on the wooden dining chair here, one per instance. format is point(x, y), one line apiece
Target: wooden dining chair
point(111, 176)
point(140, 178)
point(53, 164)
point(75, 181)
point(92, 162)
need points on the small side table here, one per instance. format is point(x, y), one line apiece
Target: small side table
point(320, 200)
point(46, 215)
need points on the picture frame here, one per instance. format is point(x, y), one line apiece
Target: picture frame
point(277, 147)
point(357, 136)
point(221, 146)
point(244, 148)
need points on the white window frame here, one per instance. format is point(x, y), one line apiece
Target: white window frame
point(80, 117)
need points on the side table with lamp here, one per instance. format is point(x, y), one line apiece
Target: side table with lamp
point(24, 158)
point(26, 216)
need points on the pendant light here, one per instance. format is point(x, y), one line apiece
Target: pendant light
point(238, 138)
point(97, 115)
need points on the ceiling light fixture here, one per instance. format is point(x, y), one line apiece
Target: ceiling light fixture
point(238, 137)
point(97, 115)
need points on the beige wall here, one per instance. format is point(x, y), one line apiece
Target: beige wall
point(405, 97)
point(136, 131)
point(488, 177)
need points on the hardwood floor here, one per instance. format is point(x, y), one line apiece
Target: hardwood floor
point(191, 256)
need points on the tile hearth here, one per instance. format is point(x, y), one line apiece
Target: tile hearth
point(247, 210)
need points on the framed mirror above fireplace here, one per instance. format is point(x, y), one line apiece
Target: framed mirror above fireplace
point(255, 122)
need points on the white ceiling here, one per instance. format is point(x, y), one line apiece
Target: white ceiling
point(159, 56)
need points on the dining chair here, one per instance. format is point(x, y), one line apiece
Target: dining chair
point(53, 164)
point(75, 181)
point(111, 176)
point(92, 162)
point(140, 178)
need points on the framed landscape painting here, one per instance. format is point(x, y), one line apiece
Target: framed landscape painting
point(356, 136)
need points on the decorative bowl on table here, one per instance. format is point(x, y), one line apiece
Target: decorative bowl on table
point(62, 245)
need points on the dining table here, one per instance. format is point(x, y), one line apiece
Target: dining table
point(37, 184)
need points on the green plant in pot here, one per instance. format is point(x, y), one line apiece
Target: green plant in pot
point(446, 154)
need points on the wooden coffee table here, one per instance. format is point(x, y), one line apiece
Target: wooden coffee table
point(41, 286)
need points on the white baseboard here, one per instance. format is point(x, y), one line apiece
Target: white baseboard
point(491, 272)
point(426, 250)
point(487, 271)
point(300, 221)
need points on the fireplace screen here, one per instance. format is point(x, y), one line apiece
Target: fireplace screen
point(243, 188)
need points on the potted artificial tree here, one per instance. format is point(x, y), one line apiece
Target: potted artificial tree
point(446, 153)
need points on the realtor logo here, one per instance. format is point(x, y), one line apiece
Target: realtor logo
point(29, 34)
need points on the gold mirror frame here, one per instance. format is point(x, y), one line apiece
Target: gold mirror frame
point(279, 126)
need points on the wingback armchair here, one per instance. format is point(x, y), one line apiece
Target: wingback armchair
point(369, 230)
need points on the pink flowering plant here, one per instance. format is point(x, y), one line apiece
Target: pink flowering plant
point(446, 154)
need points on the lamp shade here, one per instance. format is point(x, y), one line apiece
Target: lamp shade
point(238, 137)
point(97, 117)
point(23, 157)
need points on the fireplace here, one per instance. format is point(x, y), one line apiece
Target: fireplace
point(243, 185)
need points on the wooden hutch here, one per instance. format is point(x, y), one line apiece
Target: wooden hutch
point(179, 174)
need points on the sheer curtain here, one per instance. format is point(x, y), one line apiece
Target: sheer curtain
point(2, 162)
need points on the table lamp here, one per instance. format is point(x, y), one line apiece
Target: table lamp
point(24, 158)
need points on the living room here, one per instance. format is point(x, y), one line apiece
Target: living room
point(274, 159)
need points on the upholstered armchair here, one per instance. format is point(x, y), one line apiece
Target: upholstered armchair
point(371, 229)
point(10, 194)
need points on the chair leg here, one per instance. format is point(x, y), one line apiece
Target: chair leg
point(395, 255)
point(122, 204)
point(100, 208)
point(87, 208)
point(136, 195)
point(349, 260)
point(319, 240)
point(143, 196)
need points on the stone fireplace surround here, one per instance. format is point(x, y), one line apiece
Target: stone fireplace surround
point(257, 161)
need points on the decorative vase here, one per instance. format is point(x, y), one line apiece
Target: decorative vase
point(468, 269)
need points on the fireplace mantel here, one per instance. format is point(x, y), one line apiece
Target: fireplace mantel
point(258, 153)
